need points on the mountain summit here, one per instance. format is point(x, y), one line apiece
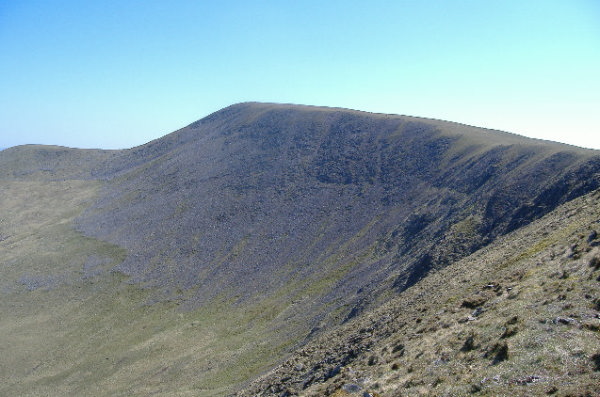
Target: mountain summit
point(256, 196)
point(249, 233)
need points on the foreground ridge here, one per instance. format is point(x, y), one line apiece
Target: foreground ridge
point(520, 317)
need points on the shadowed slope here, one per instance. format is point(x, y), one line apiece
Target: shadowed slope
point(260, 197)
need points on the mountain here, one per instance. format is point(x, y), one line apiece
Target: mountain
point(193, 263)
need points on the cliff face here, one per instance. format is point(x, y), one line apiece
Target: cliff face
point(291, 219)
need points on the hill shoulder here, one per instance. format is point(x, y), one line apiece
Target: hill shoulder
point(520, 317)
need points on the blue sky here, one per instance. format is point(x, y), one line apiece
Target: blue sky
point(115, 74)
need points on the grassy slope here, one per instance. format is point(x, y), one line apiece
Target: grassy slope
point(43, 162)
point(69, 326)
point(534, 292)
point(72, 329)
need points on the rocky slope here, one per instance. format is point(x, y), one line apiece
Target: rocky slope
point(520, 317)
point(285, 196)
point(191, 264)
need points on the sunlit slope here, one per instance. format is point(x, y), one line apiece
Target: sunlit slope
point(70, 325)
point(188, 265)
point(39, 162)
point(520, 317)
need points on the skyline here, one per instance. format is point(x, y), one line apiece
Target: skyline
point(109, 76)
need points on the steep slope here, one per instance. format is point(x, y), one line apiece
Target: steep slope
point(326, 200)
point(520, 317)
point(192, 263)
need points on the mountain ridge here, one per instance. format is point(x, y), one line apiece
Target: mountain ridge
point(293, 219)
point(439, 337)
point(331, 175)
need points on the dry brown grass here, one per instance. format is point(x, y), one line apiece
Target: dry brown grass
point(518, 318)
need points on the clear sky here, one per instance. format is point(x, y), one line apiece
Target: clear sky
point(115, 74)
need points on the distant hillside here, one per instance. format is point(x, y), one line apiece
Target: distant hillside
point(52, 162)
point(288, 196)
point(192, 263)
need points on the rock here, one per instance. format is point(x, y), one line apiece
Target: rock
point(334, 371)
point(499, 352)
point(477, 312)
point(525, 380)
point(469, 343)
point(373, 360)
point(595, 262)
point(399, 349)
point(474, 301)
point(509, 331)
point(564, 320)
point(596, 361)
point(351, 388)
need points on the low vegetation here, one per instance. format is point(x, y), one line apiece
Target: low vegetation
point(194, 263)
point(507, 320)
